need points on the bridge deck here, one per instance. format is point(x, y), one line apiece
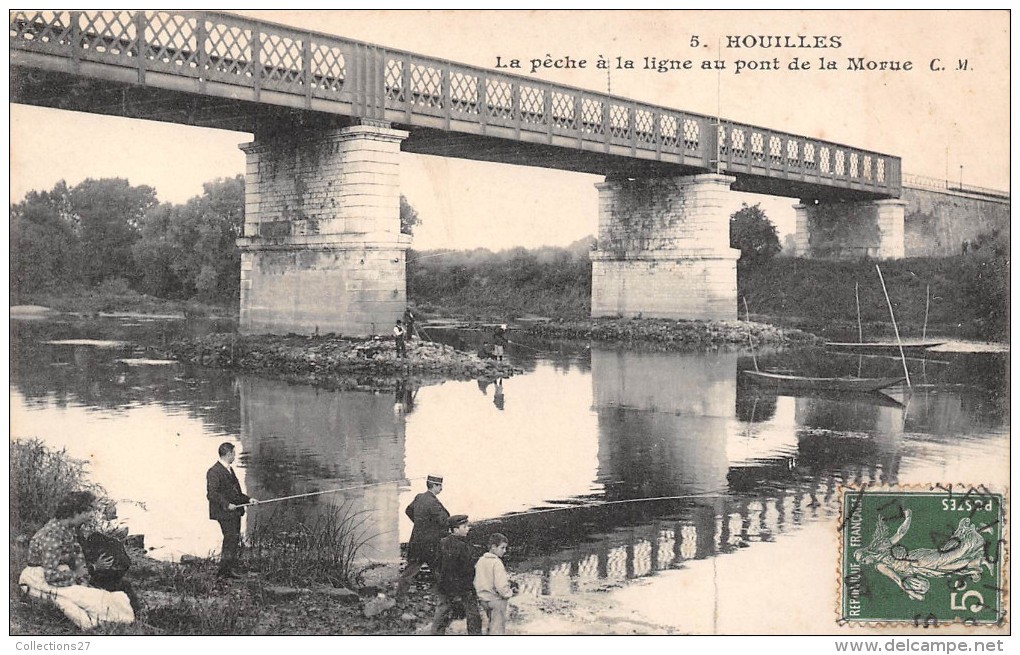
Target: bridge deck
point(216, 55)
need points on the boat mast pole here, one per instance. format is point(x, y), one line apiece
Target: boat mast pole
point(860, 328)
point(903, 356)
point(927, 297)
point(749, 340)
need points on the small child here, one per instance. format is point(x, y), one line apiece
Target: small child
point(492, 584)
point(456, 566)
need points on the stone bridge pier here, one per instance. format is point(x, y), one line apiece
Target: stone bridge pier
point(664, 249)
point(850, 230)
point(322, 249)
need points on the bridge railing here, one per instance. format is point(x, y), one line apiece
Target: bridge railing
point(939, 184)
point(771, 153)
point(283, 65)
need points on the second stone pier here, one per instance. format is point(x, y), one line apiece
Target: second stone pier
point(663, 249)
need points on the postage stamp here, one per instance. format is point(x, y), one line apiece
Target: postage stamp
point(922, 556)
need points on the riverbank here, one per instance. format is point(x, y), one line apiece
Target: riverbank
point(187, 598)
point(117, 299)
point(319, 585)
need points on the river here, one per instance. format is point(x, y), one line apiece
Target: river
point(659, 480)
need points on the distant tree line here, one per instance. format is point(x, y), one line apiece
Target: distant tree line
point(108, 232)
point(549, 281)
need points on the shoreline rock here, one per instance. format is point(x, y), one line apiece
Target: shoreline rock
point(670, 334)
point(336, 362)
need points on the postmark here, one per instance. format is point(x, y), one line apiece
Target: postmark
point(923, 556)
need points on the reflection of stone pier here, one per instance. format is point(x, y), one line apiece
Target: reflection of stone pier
point(299, 439)
point(663, 421)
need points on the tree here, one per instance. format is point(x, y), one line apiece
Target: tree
point(408, 216)
point(190, 250)
point(43, 246)
point(106, 215)
point(753, 234)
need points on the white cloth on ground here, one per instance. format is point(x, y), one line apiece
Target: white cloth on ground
point(86, 606)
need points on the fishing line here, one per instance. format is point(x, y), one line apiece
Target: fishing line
point(707, 494)
point(327, 491)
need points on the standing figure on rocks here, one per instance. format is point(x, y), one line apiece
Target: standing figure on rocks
point(499, 335)
point(430, 526)
point(399, 334)
point(225, 506)
point(457, 579)
point(409, 323)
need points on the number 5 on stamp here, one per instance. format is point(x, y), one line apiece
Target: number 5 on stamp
point(923, 557)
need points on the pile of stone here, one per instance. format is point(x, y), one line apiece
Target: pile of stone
point(329, 355)
point(669, 334)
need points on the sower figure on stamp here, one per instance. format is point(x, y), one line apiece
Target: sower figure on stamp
point(457, 579)
point(225, 499)
point(430, 526)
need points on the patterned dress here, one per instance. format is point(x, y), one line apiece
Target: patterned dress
point(58, 552)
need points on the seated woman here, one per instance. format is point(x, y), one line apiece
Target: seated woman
point(57, 568)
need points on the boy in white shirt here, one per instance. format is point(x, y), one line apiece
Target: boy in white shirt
point(492, 584)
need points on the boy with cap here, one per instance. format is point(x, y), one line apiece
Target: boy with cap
point(492, 584)
point(430, 526)
point(457, 579)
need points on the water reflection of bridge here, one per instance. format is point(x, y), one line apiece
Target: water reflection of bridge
point(667, 428)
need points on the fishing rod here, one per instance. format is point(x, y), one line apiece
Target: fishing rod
point(327, 491)
point(707, 494)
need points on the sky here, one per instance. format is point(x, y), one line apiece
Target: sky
point(937, 121)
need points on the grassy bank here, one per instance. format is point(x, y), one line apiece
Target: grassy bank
point(305, 581)
point(118, 298)
point(969, 295)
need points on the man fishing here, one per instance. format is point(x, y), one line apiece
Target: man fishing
point(225, 506)
point(430, 520)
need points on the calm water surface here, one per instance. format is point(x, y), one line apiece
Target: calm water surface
point(708, 467)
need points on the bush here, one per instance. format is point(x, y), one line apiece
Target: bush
point(323, 550)
point(753, 234)
point(40, 477)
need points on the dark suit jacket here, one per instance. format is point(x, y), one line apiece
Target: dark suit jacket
point(222, 488)
point(430, 525)
point(457, 565)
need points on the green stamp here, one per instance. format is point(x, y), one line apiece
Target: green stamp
point(924, 557)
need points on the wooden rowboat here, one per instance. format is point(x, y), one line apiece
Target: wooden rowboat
point(882, 348)
point(799, 382)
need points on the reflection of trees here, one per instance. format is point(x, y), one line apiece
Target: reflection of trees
point(89, 375)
